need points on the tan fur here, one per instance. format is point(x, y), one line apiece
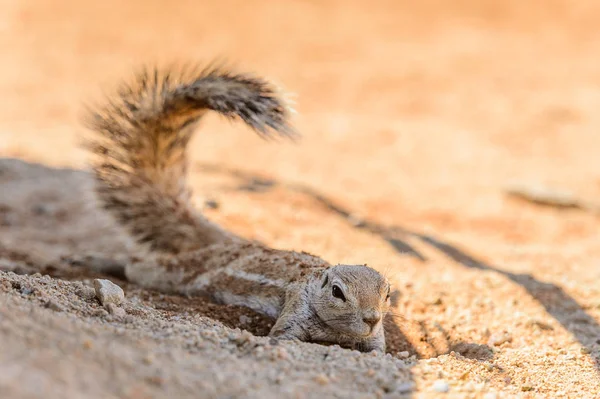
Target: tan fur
point(140, 167)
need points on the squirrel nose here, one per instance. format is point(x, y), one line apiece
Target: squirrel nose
point(372, 318)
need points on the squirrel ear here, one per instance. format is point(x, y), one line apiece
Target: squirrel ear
point(325, 281)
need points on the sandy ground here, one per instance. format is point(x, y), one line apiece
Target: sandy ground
point(417, 119)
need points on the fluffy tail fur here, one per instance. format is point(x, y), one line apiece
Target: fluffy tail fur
point(140, 141)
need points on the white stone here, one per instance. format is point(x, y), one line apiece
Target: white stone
point(441, 386)
point(108, 292)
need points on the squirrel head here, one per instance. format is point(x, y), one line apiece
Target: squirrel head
point(352, 300)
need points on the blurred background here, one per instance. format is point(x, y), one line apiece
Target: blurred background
point(432, 101)
point(414, 113)
point(418, 113)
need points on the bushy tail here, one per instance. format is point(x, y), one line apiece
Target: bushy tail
point(140, 144)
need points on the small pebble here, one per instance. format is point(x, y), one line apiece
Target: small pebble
point(108, 292)
point(86, 292)
point(115, 310)
point(403, 355)
point(540, 324)
point(497, 339)
point(322, 379)
point(585, 351)
point(441, 386)
point(526, 388)
point(245, 320)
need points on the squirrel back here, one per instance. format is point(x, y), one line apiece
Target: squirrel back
point(140, 142)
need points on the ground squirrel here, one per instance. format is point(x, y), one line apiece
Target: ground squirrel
point(140, 164)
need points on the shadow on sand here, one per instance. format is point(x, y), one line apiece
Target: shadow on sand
point(564, 308)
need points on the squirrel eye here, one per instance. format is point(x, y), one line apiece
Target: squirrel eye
point(337, 293)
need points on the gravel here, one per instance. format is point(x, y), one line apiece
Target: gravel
point(160, 355)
